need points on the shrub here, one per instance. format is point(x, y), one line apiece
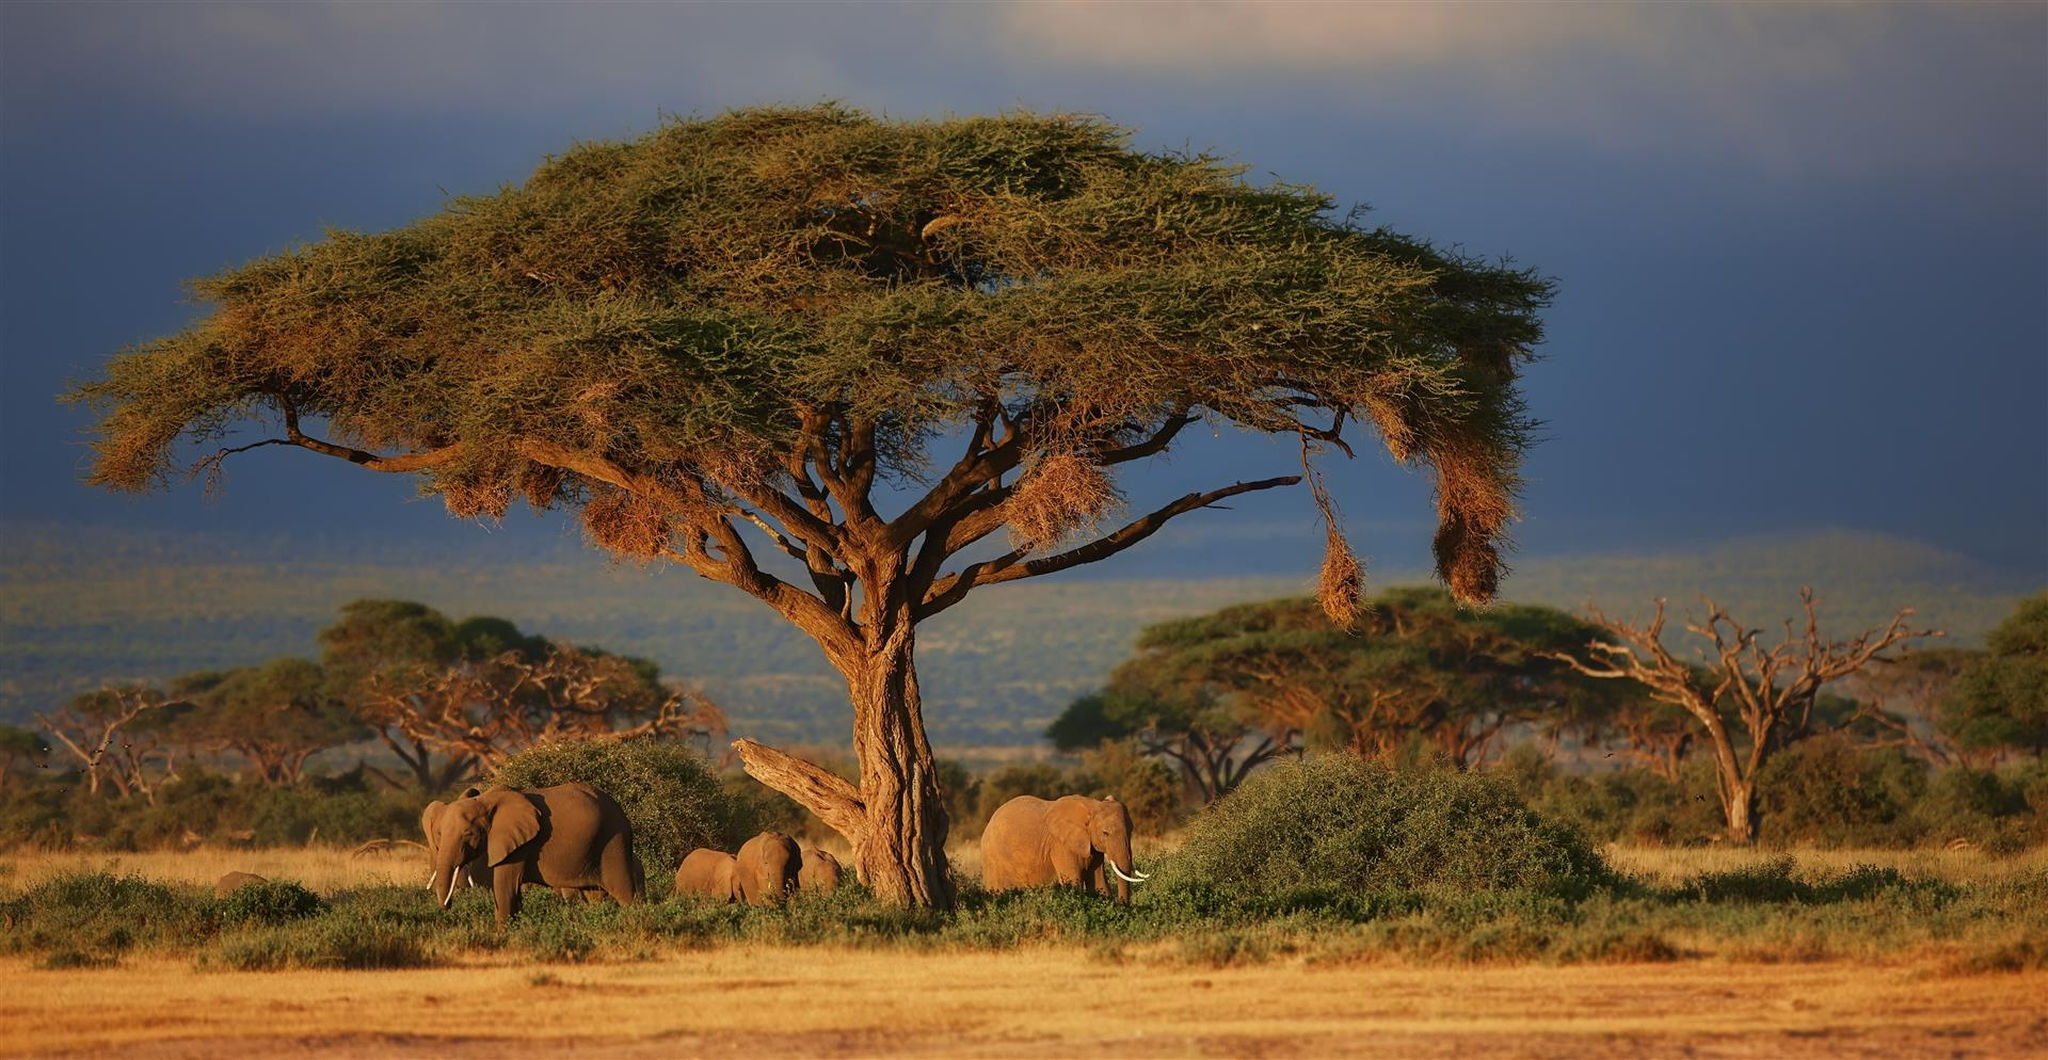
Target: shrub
point(270, 902)
point(1827, 791)
point(669, 796)
point(98, 911)
point(1335, 825)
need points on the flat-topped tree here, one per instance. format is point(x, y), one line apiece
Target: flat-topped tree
point(869, 345)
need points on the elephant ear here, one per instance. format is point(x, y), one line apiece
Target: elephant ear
point(514, 823)
point(428, 818)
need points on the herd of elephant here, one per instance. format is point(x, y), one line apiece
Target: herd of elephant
point(576, 840)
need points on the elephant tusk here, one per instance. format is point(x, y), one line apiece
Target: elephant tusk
point(1121, 875)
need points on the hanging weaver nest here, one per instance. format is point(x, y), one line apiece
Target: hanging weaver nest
point(1065, 492)
point(480, 497)
point(1474, 501)
point(540, 484)
point(1340, 587)
point(626, 524)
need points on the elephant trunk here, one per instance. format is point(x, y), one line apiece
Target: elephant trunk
point(1123, 868)
point(447, 864)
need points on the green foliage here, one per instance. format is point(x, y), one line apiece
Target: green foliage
point(1333, 826)
point(672, 800)
point(678, 300)
point(1416, 676)
point(269, 902)
point(2000, 700)
point(1827, 790)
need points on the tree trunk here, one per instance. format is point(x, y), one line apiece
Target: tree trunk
point(896, 819)
point(1738, 803)
point(902, 855)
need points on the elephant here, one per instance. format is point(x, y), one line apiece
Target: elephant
point(571, 837)
point(768, 867)
point(711, 873)
point(235, 881)
point(820, 871)
point(1031, 842)
point(474, 871)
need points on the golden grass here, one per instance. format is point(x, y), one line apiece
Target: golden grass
point(324, 869)
point(767, 1001)
point(1676, 864)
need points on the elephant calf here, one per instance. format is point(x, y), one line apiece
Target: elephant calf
point(571, 837)
point(768, 867)
point(710, 873)
point(1032, 842)
point(820, 871)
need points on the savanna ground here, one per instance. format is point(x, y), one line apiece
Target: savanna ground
point(1810, 976)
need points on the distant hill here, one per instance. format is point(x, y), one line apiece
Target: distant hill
point(81, 607)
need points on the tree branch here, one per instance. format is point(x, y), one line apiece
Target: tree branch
point(950, 590)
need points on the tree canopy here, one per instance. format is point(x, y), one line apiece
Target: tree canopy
point(751, 323)
point(1220, 694)
point(2000, 698)
point(651, 330)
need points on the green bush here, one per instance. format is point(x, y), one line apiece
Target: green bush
point(1826, 791)
point(269, 902)
point(672, 800)
point(335, 941)
point(1313, 831)
point(96, 912)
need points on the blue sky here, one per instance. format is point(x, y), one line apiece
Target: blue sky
point(1802, 249)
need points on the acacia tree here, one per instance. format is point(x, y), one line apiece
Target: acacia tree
point(1999, 701)
point(1747, 697)
point(1225, 692)
point(275, 716)
point(774, 321)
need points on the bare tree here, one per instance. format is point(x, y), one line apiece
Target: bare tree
point(1749, 699)
point(117, 736)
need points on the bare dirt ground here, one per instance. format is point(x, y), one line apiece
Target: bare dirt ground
point(1032, 1003)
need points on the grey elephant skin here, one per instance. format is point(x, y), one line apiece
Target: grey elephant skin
point(709, 873)
point(1033, 842)
point(768, 867)
point(571, 837)
point(820, 872)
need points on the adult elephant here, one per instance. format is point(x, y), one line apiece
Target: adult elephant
point(768, 867)
point(571, 837)
point(710, 873)
point(473, 872)
point(1032, 842)
point(820, 871)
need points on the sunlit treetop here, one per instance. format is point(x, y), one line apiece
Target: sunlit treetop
point(755, 317)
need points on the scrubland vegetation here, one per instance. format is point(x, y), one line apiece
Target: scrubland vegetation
point(1329, 860)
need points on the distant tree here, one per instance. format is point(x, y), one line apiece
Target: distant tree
point(1748, 699)
point(769, 321)
point(274, 716)
point(120, 735)
point(18, 745)
point(1999, 700)
point(377, 650)
point(1224, 693)
point(1213, 741)
point(1906, 700)
point(484, 711)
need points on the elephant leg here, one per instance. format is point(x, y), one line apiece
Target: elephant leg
point(616, 869)
point(505, 881)
point(1070, 871)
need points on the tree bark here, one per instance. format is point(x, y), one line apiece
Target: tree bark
point(902, 855)
point(1738, 803)
point(896, 819)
